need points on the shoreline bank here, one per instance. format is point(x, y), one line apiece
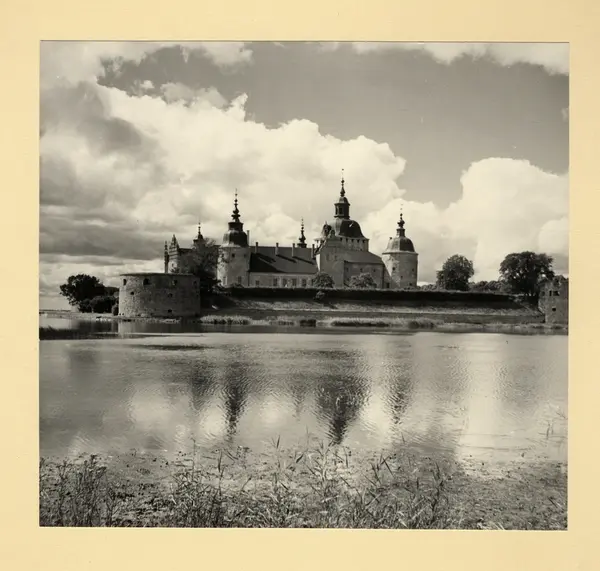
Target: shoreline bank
point(317, 487)
point(447, 323)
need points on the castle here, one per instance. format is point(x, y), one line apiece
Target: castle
point(341, 251)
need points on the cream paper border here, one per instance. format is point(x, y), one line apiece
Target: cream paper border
point(23, 23)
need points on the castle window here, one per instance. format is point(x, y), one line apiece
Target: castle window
point(556, 293)
point(225, 280)
point(257, 283)
point(239, 280)
point(304, 282)
point(284, 282)
point(554, 309)
point(232, 256)
point(146, 281)
point(169, 311)
point(393, 268)
point(131, 292)
point(174, 282)
point(294, 282)
point(124, 282)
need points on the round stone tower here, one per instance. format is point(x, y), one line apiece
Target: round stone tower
point(234, 258)
point(401, 260)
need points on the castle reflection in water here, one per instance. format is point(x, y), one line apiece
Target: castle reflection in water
point(441, 394)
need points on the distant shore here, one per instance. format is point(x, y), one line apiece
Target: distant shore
point(320, 487)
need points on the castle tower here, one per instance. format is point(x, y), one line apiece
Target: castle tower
point(342, 206)
point(234, 260)
point(554, 300)
point(302, 237)
point(400, 259)
point(172, 255)
point(199, 239)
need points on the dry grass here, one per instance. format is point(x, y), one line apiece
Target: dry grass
point(317, 487)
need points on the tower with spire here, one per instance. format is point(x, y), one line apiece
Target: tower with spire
point(234, 260)
point(302, 237)
point(400, 259)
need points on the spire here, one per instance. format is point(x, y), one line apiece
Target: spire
point(342, 206)
point(401, 231)
point(302, 238)
point(235, 216)
point(200, 237)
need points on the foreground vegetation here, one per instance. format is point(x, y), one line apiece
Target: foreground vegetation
point(319, 487)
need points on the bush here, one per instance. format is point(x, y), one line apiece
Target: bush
point(320, 296)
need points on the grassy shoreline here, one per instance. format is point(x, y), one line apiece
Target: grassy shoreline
point(359, 323)
point(317, 487)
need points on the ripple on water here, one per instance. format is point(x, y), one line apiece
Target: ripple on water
point(445, 394)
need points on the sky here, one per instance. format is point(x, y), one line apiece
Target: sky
point(142, 140)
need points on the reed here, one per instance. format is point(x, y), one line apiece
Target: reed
point(320, 486)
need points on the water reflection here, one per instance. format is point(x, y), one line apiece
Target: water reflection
point(448, 395)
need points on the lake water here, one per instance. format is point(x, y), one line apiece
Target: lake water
point(484, 396)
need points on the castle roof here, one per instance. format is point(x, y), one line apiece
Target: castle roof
point(361, 257)
point(346, 228)
point(265, 260)
point(400, 243)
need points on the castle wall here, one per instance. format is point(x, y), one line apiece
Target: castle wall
point(376, 271)
point(554, 301)
point(159, 295)
point(280, 280)
point(402, 268)
point(233, 266)
point(330, 260)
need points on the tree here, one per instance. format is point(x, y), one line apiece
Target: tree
point(102, 303)
point(523, 272)
point(202, 262)
point(455, 273)
point(82, 288)
point(323, 280)
point(362, 281)
point(492, 285)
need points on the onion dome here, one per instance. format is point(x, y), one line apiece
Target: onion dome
point(400, 243)
point(235, 235)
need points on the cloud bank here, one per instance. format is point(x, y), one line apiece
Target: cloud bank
point(553, 57)
point(120, 173)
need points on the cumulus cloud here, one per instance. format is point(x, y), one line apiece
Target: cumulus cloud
point(121, 172)
point(506, 206)
point(553, 57)
point(180, 92)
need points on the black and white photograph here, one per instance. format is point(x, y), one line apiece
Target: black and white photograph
point(303, 284)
